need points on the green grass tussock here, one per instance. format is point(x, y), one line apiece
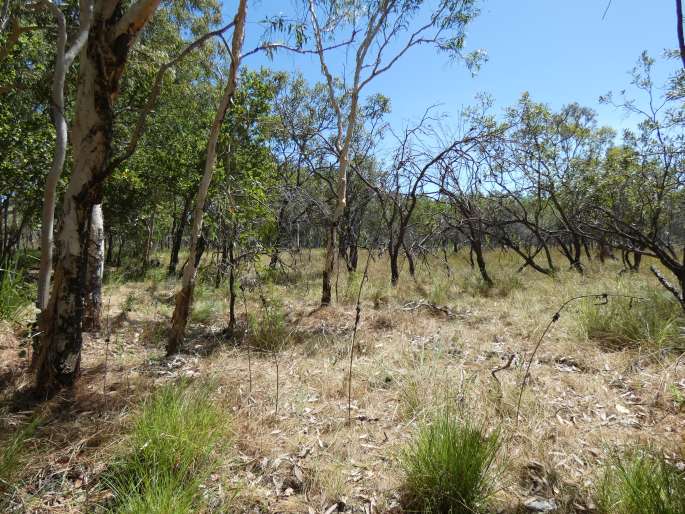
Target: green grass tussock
point(12, 452)
point(641, 482)
point(174, 439)
point(15, 293)
point(654, 322)
point(448, 467)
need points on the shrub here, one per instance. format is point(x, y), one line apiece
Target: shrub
point(641, 482)
point(174, 441)
point(269, 331)
point(656, 322)
point(448, 467)
point(351, 288)
point(15, 293)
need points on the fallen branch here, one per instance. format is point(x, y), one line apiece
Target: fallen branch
point(502, 368)
point(412, 306)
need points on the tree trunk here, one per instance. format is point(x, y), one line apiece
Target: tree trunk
point(393, 255)
point(63, 61)
point(477, 248)
point(184, 297)
point(231, 286)
point(329, 264)
point(178, 235)
point(102, 62)
point(410, 260)
point(223, 263)
point(94, 272)
point(148, 241)
point(110, 247)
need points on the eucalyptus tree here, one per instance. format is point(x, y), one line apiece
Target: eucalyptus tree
point(461, 180)
point(185, 294)
point(379, 33)
point(64, 58)
point(417, 155)
point(303, 118)
point(113, 31)
point(643, 211)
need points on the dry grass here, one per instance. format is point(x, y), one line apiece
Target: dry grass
point(581, 404)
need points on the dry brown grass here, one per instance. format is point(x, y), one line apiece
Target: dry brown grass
point(581, 402)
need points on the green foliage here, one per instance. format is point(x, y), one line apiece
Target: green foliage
point(12, 450)
point(448, 467)
point(15, 293)
point(269, 330)
point(654, 322)
point(174, 440)
point(205, 310)
point(641, 482)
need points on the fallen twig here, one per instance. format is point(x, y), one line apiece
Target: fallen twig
point(603, 297)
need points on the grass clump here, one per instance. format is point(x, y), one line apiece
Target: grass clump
point(15, 293)
point(502, 285)
point(448, 467)
point(174, 440)
point(641, 482)
point(11, 452)
point(654, 321)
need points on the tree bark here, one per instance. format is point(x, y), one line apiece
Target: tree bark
point(681, 37)
point(101, 65)
point(148, 241)
point(178, 235)
point(477, 248)
point(63, 61)
point(95, 269)
point(329, 264)
point(185, 294)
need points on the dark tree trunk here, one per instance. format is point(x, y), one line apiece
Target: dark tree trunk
point(393, 255)
point(222, 264)
point(110, 247)
point(178, 234)
point(231, 287)
point(329, 265)
point(477, 248)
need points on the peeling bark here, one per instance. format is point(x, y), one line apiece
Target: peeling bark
point(101, 65)
point(94, 272)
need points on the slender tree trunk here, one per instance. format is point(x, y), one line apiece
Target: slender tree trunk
point(95, 269)
point(231, 286)
point(178, 235)
point(280, 230)
point(113, 31)
point(681, 37)
point(410, 260)
point(223, 263)
point(119, 250)
point(148, 241)
point(393, 255)
point(185, 294)
point(110, 247)
point(329, 264)
point(63, 61)
point(477, 248)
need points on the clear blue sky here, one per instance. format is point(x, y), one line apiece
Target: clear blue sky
point(559, 51)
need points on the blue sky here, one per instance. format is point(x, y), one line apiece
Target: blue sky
point(559, 51)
